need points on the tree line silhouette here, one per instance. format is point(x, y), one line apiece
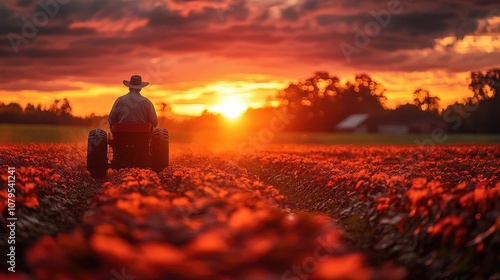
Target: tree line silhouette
point(321, 101)
point(317, 103)
point(59, 112)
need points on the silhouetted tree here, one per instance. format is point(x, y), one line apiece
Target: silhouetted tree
point(54, 108)
point(59, 108)
point(480, 112)
point(321, 101)
point(165, 110)
point(485, 85)
point(424, 101)
point(30, 108)
point(315, 92)
point(65, 108)
point(364, 95)
point(312, 100)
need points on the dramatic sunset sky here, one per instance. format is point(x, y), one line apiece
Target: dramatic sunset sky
point(215, 55)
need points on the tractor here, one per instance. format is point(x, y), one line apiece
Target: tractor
point(130, 145)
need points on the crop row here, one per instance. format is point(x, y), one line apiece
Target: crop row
point(435, 210)
point(52, 191)
point(202, 218)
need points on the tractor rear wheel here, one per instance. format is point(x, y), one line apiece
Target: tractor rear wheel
point(97, 153)
point(159, 149)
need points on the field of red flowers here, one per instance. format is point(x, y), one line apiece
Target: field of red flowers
point(288, 212)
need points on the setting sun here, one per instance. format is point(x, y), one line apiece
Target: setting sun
point(231, 107)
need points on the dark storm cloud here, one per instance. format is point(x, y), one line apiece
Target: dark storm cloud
point(290, 14)
point(86, 32)
point(25, 3)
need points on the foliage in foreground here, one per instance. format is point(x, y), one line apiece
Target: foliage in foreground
point(203, 218)
point(434, 210)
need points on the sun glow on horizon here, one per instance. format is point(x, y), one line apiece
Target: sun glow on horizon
point(231, 107)
point(230, 98)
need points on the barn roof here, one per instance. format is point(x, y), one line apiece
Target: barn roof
point(352, 121)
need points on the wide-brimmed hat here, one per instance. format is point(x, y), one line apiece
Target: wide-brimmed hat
point(135, 82)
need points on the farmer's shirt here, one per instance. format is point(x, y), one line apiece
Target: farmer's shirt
point(133, 108)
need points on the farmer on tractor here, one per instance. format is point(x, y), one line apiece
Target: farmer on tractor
point(134, 141)
point(133, 107)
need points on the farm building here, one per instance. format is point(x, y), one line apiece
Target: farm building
point(399, 121)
